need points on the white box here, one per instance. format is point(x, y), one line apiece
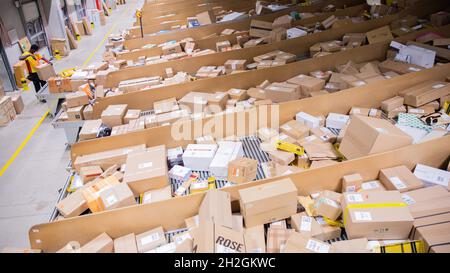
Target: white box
point(310, 121)
point(432, 175)
point(198, 157)
point(180, 173)
point(295, 32)
point(228, 151)
point(418, 55)
point(337, 121)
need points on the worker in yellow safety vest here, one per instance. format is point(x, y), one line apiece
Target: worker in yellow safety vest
point(33, 59)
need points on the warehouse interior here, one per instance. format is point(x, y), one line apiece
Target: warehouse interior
point(283, 126)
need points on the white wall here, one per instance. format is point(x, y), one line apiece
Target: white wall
point(11, 19)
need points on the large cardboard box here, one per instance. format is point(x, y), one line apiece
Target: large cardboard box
point(376, 215)
point(350, 246)
point(113, 115)
point(216, 208)
point(106, 159)
point(45, 71)
point(150, 239)
point(367, 135)
point(434, 237)
point(146, 170)
point(399, 178)
point(126, 244)
point(100, 244)
point(242, 170)
point(427, 201)
point(269, 202)
point(278, 92)
point(91, 192)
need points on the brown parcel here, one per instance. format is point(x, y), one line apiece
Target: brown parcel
point(90, 173)
point(352, 182)
point(125, 244)
point(428, 221)
point(237, 94)
point(106, 159)
point(281, 157)
point(269, 202)
point(45, 71)
point(421, 95)
point(254, 238)
point(212, 238)
point(366, 135)
point(434, 236)
point(113, 115)
point(75, 113)
point(131, 114)
point(310, 227)
point(399, 178)
point(350, 246)
point(117, 196)
point(157, 195)
point(75, 99)
point(88, 112)
point(146, 170)
point(73, 205)
point(398, 67)
point(392, 103)
point(242, 170)
point(150, 239)
point(299, 243)
point(216, 208)
point(294, 129)
point(307, 84)
point(376, 215)
point(276, 239)
point(427, 201)
point(101, 244)
point(327, 207)
point(165, 106)
point(17, 102)
point(90, 129)
point(378, 35)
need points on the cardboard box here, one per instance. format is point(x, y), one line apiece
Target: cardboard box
point(310, 121)
point(75, 113)
point(150, 240)
point(146, 170)
point(90, 173)
point(399, 178)
point(307, 84)
point(235, 65)
point(237, 94)
point(206, 18)
point(440, 18)
point(298, 243)
point(310, 227)
point(17, 103)
point(216, 208)
point(432, 175)
point(113, 115)
point(323, 134)
point(242, 170)
point(125, 244)
point(157, 195)
point(390, 219)
point(117, 196)
point(227, 151)
point(392, 103)
point(76, 99)
point(350, 246)
point(171, 48)
point(382, 134)
point(269, 202)
point(294, 129)
point(254, 238)
point(45, 71)
point(398, 67)
point(180, 173)
point(425, 93)
point(434, 237)
point(284, 21)
point(213, 238)
point(100, 244)
point(222, 46)
point(327, 207)
point(327, 23)
point(379, 35)
point(278, 92)
point(337, 121)
point(59, 85)
point(73, 205)
point(218, 101)
point(195, 101)
point(91, 192)
point(199, 156)
point(352, 182)
point(132, 114)
point(88, 112)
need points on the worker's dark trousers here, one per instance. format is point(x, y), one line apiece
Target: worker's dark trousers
point(36, 81)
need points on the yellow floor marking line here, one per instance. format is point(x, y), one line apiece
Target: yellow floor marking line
point(31, 133)
point(17, 152)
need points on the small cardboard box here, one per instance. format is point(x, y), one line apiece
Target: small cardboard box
point(157, 195)
point(165, 106)
point(399, 178)
point(350, 246)
point(235, 65)
point(150, 239)
point(91, 192)
point(199, 156)
point(237, 94)
point(171, 48)
point(383, 135)
point(242, 170)
point(146, 170)
point(308, 120)
point(88, 112)
point(352, 182)
point(223, 45)
point(298, 243)
point(113, 115)
point(75, 113)
point(195, 101)
point(282, 92)
point(327, 207)
point(276, 239)
point(254, 238)
point(180, 173)
point(73, 205)
point(90, 129)
point(217, 100)
point(336, 120)
point(281, 157)
point(269, 202)
point(45, 71)
point(432, 175)
point(100, 244)
point(392, 103)
point(90, 173)
point(376, 215)
point(425, 93)
point(284, 21)
point(378, 35)
point(17, 102)
point(307, 84)
point(294, 129)
point(117, 196)
point(206, 18)
point(324, 134)
point(398, 67)
point(126, 244)
point(306, 225)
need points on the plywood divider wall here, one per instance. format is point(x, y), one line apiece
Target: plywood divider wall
point(369, 95)
point(170, 214)
point(203, 31)
point(210, 43)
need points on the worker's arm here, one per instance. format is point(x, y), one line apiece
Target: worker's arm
point(47, 61)
point(23, 57)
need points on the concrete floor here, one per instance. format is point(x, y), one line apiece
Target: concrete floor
point(30, 187)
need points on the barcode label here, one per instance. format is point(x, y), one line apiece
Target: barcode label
point(350, 188)
point(306, 223)
point(317, 247)
point(369, 185)
point(150, 238)
point(286, 127)
point(397, 182)
point(354, 198)
point(408, 199)
point(363, 216)
point(145, 165)
point(111, 200)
